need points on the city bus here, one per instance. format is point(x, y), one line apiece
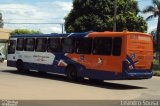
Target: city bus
point(93, 55)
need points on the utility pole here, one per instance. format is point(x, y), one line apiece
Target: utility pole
point(62, 28)
point(115, 14)
point(1, 21)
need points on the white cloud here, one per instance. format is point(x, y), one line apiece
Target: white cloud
point(66, 6)
point(152, 23)
point(151, 28)
point(56, 29)
point(39, 12)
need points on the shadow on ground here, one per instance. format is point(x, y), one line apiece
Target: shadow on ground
point(107, 85)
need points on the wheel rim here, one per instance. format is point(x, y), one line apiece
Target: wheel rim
point(72, 73)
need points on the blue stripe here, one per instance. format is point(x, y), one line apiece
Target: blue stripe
point(49, 35)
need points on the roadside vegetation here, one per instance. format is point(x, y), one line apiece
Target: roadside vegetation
point(156, 72)
point(25, 31)
point(154, 10)
point(156, 68)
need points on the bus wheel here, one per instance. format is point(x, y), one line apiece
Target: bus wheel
point(20, 67)
point(71, 73)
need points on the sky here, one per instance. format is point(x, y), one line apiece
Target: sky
point(47, 11)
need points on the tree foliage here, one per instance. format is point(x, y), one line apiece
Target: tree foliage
point(1, 21)
point(155, 10)
point(97, 15)
point(24, 31)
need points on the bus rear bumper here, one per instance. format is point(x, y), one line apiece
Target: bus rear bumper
point(145, 74)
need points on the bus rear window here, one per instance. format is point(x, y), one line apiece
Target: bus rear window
point(117, 44)
point(54, 45)
point(41, 44)
point(83, 45)
point(12, 47)
point(29, 44)
point(20, 44)
point(67, 45)
point(139, 42)
point(102, 46)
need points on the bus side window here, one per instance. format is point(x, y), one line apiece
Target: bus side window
point(29, 44)
point(67, 45)
point(117, 45)
point(41, 44)
point(11, 47)
point(20, 44)
point(102, 46)
point(54, 45)
point(83, 45)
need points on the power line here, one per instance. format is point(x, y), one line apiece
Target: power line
point(34, 19)
point(31, 23)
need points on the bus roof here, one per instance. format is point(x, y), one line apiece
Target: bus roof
point(107, 33)
point(85, 34)
point(51, 35)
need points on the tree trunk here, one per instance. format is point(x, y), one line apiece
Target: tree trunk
point(158, 38)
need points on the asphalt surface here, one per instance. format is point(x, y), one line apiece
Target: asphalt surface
point(36, 86)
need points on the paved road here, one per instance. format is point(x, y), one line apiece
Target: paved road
point(35, 86)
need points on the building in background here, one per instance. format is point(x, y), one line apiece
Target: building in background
point(4, 36)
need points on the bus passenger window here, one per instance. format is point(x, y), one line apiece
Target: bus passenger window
point(117, 45)
point(20, 44)
point(41, 44)
point(102, 46)
point(11, 47)
point(83, 45)
point(54, 45)
point(29, 44)
point(67, 45)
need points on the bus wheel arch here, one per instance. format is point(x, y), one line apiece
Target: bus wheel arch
point(72, 72)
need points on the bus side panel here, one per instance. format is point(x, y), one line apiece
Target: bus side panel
point(101, 66)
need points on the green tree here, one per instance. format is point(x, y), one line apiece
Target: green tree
point(1, 21)
point(97, 15)
point(155, 10)
point(24, 31)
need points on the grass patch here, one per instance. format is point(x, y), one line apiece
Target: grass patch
point(156, 72)
point(155, 62)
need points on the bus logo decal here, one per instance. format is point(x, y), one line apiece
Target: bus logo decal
point(100, 61)
point(81, 57)
point(131, 63)
point(133, 55)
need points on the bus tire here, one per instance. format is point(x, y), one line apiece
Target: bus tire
point(20, 66)
point(71, 72)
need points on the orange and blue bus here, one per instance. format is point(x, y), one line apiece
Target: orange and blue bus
point(92, 55)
